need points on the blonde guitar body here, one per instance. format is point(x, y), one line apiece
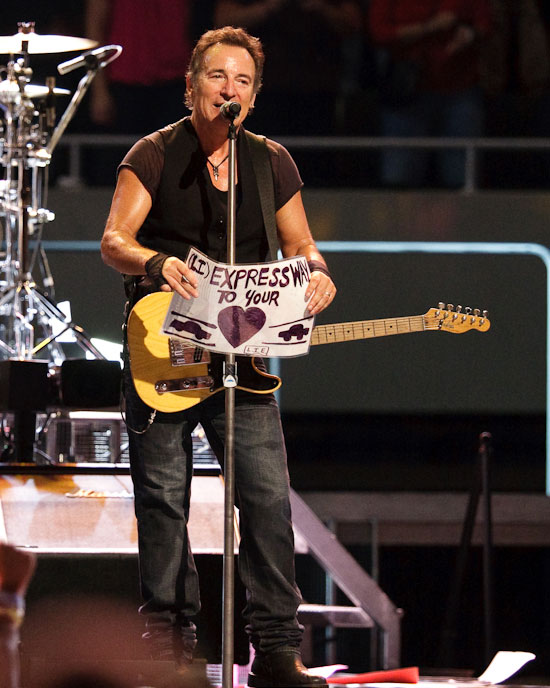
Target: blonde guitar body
point(172, 375)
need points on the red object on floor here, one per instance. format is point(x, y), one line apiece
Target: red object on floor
point(405, 675)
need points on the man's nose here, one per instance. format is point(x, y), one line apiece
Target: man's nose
point(229, 89)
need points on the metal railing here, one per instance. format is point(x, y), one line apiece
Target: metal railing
point(473, 147)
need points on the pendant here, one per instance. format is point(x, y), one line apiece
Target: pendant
point(216, 168)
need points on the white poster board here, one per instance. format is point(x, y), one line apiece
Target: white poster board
point(251, 310)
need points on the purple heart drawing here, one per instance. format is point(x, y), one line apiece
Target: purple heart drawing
point(238, 325)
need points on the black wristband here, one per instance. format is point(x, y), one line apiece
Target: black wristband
point(317, 265)
point(153, 268)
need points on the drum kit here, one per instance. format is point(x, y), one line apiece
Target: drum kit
point(31, 323)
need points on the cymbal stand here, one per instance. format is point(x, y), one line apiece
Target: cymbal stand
point(22, 210)
point(26, 156)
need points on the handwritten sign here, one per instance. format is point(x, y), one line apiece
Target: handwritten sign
point(251, 310)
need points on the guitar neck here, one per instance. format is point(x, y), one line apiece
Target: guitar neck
point(365, 329)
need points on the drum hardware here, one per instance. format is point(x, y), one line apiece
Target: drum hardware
point(28, 137)
point(41, 44)
point(10, 91)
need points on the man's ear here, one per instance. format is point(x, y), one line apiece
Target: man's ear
point(189, 87)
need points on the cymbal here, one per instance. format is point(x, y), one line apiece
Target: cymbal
point(43, 43)
point(9, 91)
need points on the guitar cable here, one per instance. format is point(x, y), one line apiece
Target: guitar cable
point(150, 421)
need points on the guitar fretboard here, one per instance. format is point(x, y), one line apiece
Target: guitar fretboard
point(364, 329)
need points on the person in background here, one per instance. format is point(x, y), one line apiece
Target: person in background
point(310, 45)
point(143, 88)
point(429, 82)
point(146, 82)
point(515, 77)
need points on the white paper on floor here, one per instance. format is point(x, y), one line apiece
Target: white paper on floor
point(503, 665)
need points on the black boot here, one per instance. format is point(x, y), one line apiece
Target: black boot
point(172, 642)
point(282, 670)
point(185, 641)
point(160, 644)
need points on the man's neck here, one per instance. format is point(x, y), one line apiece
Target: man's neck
point(212, 136)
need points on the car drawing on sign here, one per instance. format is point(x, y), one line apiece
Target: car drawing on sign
point(192, 327)
point(298, 331)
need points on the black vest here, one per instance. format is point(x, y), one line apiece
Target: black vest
point(189, 211)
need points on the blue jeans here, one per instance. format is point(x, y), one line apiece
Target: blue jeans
point(162, 468)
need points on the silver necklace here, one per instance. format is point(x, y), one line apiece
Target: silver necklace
point(216, 168)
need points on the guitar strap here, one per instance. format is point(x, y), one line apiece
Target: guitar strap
point(261, 162)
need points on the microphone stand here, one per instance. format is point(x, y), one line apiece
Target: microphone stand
point(230, 382)
point(93, 65)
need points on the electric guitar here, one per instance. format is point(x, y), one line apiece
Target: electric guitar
point(172, 375)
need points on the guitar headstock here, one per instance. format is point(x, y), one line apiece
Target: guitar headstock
point(456, 320)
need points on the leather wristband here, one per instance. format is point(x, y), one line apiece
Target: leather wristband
point(153, 268)
point(316, 265)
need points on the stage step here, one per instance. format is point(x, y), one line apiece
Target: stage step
point(334, 615)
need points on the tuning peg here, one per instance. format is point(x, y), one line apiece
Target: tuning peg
point(485, 314)
point(468, 310)
point(441, 305)
point(458, 309)
point(450, 306)
point(476, 312)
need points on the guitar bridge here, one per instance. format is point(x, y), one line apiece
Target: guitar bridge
point(185, 384)
point(183, 353)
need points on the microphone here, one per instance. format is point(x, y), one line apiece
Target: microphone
point(230, 110)
point(91, 59)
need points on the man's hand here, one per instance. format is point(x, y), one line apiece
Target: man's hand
point(322, 291)
point(179, 277)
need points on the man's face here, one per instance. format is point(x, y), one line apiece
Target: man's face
point(227, 74)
